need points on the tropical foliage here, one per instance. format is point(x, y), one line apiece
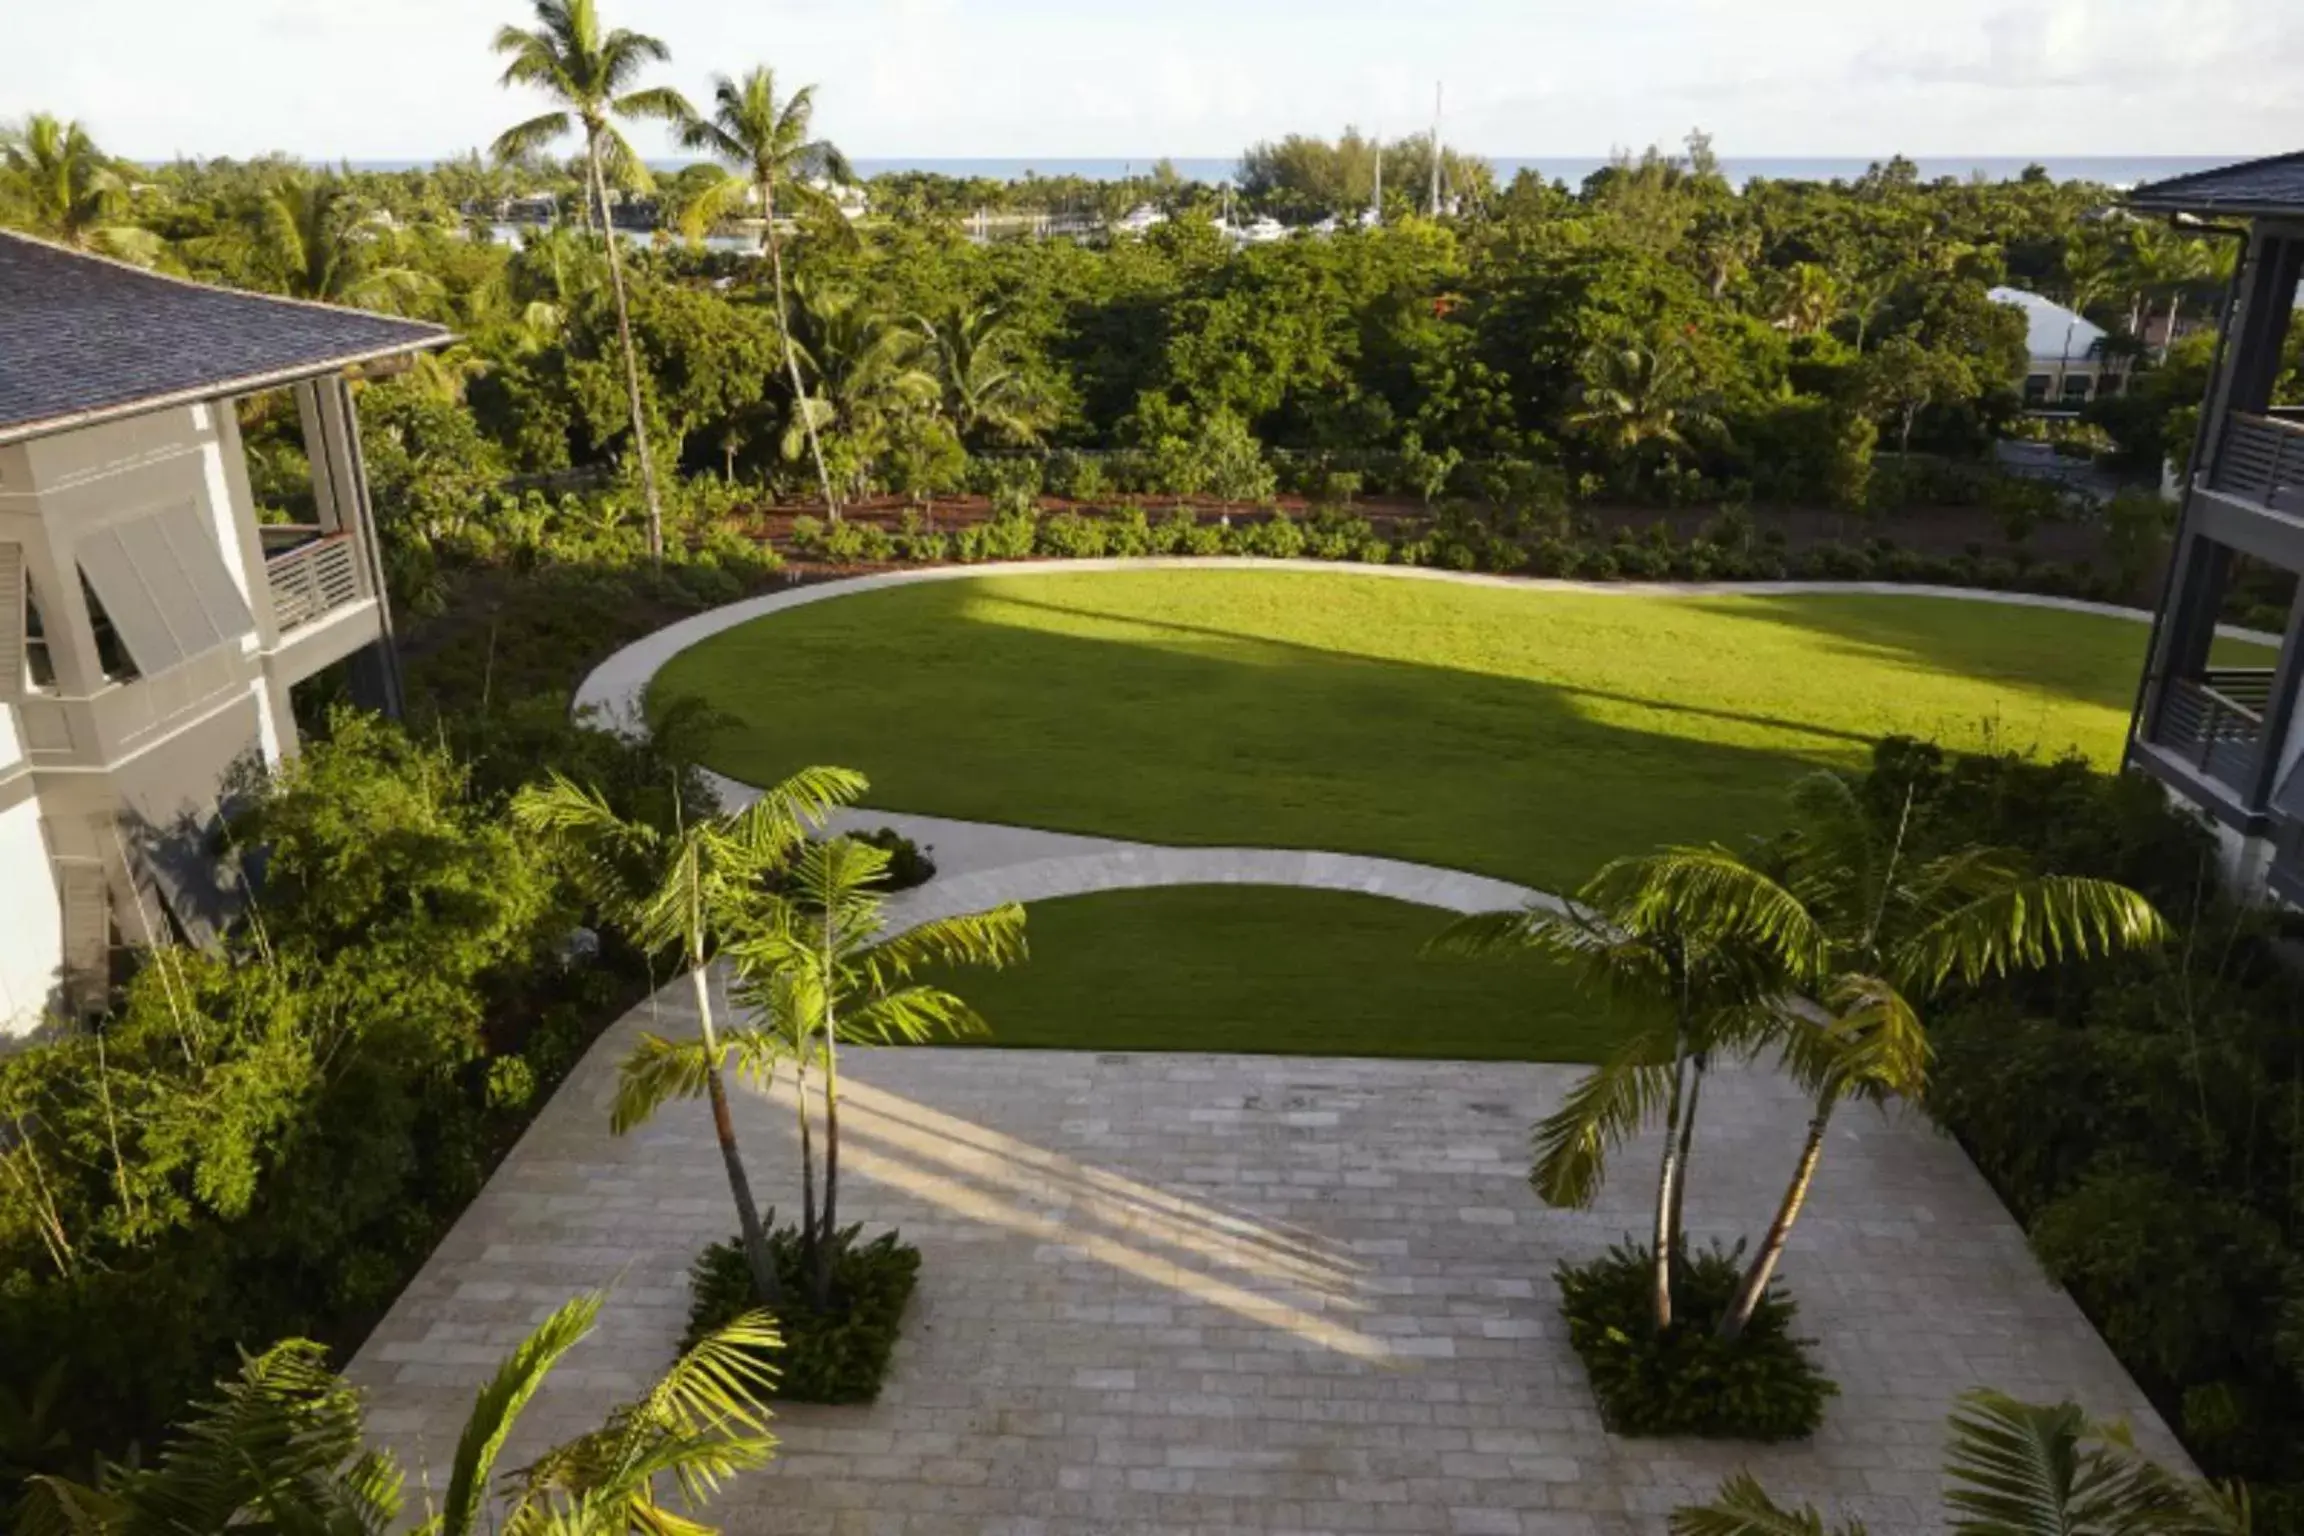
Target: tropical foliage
point(281, 1446)
point(2015, 1469)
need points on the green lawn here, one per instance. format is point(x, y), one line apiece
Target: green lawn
point(1521, 733)
point(1248, 968)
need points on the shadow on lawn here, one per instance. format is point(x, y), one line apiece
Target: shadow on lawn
point(1218, 737)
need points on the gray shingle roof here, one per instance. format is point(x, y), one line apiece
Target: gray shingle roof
point(2269, 186)
point(83, 338)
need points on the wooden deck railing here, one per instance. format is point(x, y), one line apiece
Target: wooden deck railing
point(313, 576)
point(2216, 721)
point(2262, 459)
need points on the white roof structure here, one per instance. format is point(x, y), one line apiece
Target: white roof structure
point(2052, 331)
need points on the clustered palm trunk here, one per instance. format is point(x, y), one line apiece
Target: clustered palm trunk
point(791, 353)
point(1815, 953)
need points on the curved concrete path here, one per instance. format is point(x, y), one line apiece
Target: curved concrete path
point(617, 689)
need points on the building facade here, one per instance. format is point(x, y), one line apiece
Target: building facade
point(152, 621)
point(2226, 737)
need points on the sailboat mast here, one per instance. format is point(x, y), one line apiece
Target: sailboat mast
point(1435, 149)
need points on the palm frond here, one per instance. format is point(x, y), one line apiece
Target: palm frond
point(497, 1408)
point(1712, 894)
point(1607, 1107)
point(723, 1379)
point(1743, 1508)
point(2026, 924)
point(992, 938)
point(909, 1016)
point(776, 824)
point(658, 102)
point(1479, 935)
point(523, 139)
point(658, 1071)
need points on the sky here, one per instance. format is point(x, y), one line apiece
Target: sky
point(414, 79)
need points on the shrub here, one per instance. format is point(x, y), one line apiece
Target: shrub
point(908, 864)
point(1130, 534)
point(1070, 536)
point(1276, 538)
point(1688, 1380)
point(836, 1356)
point(1010, 535)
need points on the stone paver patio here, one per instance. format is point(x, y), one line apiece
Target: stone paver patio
point(1252, 1294)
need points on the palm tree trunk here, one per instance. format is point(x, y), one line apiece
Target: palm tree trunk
point(1696, 1069)
point(631, 358)
point(764, 1286)
point(792, 357)
point(831, 1230)
point(1668, 1184)
point(1755, 1286)
point(807, 1170)
point(2168, 336)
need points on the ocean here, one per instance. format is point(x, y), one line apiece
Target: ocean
point(2113, 170)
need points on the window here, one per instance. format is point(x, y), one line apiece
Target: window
point(39, 664)
point(2076, 388)
point(111, 654)
point(2036, 388)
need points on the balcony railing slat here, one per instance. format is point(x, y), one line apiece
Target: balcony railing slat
point(2261, 459)
point(313, 579)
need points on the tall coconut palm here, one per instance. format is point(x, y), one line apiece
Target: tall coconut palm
point(1806, 297)
point(68, 190)
point(692, 890)
point(570, 59)
point(282, 1447)
point(2015, 1469)
point(1869, 931)
point(1649, 956)
point(985, 393)
point(769, 153)
point(823, 965)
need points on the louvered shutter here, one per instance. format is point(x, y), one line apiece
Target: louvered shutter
point(164, 586)
point(87, 908)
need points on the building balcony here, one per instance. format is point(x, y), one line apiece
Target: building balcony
point(2212, 726)
point(2261, 461)
point(311, 573)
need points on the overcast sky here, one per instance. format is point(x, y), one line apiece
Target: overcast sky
point(390, 79)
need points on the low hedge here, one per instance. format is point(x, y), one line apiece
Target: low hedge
point(1688, 1380)
point(1454, 540)
point(839, 1355)
point(909, 865)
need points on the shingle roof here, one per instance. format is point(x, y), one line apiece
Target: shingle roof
point(2269, 186)
point(84, 339)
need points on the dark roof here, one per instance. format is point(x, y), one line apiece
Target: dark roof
point(83, 339)
point(2270, 186)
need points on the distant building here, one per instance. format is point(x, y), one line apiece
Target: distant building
point(2229, 739)
point(150, 626)
point(2066, 350)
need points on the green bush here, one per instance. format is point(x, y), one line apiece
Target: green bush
point(835, 1356)
point(1688, 1380)
point(1071, 536)
point(908, 865)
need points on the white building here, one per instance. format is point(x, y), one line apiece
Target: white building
point(2067, 367)
point(150, 626)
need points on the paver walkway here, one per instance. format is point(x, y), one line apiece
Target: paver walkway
point(1237, 1294)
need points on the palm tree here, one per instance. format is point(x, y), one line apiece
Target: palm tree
point(2169, 263)
point(1642, 952)
point(1806, 297)
point(282, 1447)
point(984, 392)
point(1638, 398)
point(691, 890)
point(568, 58)
point(867, 372)
point(69, 190)
point(2015, 1469)
point(1868, 930)
point(822, 970)
point(2088, 279)
point(314, 238)
point(766, 145)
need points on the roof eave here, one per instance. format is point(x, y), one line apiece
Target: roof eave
point(222, 389)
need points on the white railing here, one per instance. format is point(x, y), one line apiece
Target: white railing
point(313, 578)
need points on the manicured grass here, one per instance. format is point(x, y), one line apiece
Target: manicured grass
point(1524, 733)
point(1292, 972)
